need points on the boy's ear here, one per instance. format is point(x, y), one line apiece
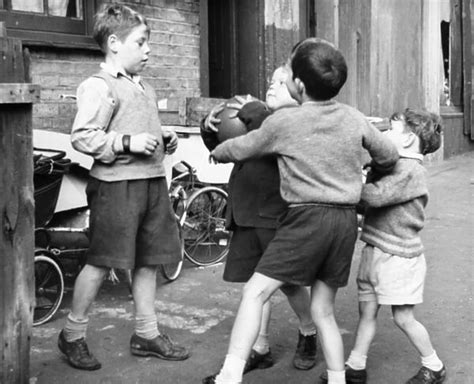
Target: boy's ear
point(409, 140)
point(299, 85)
point(112, 42)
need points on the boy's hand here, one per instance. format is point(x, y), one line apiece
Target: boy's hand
point(212, 159)
point(211, 119)
point(170, 139)
point(241, 102)
point(143, 143)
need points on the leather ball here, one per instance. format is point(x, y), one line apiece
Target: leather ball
point(230, 126)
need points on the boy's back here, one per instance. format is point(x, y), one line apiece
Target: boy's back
point(320, 149)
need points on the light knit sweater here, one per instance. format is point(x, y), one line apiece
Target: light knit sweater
point(396, 209)
point(320, 148)
point(104, 115)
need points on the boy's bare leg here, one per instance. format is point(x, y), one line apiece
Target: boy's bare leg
point(262, 345)
point(300, 302)
point(147, 340)
point(367, 327)
point(404, 318)
point(144, 290)
point(86, 287)
point(71, 340)
point(322, 308)
point(246, 326)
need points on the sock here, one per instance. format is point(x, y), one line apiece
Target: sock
point(232, 370)
point(75, 329)
point(262, 345)
point(146, 326)
point(432, 362)
point(308, 329)
point(336, 377)
point(356, 360)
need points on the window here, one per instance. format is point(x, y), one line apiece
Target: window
point(63, 23)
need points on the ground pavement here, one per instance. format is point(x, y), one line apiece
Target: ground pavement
point(198, 310)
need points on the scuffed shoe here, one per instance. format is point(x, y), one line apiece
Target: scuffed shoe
point(427, 376)
point(258, 361)
point(353, 376)
point(161, 347)
point(305, 355)
point(77, 353)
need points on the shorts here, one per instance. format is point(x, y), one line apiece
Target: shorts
point(312, 242)
point(132, 224)
point(246, 249)
point(390, 279)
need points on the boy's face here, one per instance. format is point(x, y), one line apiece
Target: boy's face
point(278, 95)
point(132, 52)
point(293, 89)
point(403, 138)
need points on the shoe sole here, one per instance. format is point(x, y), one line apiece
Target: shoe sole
point(72, 364)
point(138, 352)
point(259, 366)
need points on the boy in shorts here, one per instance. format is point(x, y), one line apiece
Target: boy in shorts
point(392, 268)
point(319, 147)
point(132, 225)
point(253, 206)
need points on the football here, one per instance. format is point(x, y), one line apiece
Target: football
point(230, 125)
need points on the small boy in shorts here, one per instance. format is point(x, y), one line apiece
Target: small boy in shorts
point(132, 225)
point(253, 207)
point(392, 268)
point(319, 147)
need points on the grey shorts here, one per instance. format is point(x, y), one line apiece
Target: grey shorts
point(131, 224)
point(312, 242)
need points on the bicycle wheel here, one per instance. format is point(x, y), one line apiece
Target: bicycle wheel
point(49, 287)
point(206, 241)
point(171, 271)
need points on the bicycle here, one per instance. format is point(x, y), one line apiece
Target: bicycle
point(201, 219)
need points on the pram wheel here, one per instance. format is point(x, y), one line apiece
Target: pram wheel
point(49, 287)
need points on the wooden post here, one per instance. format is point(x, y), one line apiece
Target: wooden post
point(16, 213)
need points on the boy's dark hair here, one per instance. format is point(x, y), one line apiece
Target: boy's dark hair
point(115, 19)
point(424, 124)
point(320, 66)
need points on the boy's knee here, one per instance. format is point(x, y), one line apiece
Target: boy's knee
point(403, 316)
point(255, 292)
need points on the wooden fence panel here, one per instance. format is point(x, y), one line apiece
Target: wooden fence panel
point(16, 215)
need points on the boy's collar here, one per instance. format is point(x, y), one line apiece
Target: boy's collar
point(319, 103)
point(115, 73)
point(410, 155)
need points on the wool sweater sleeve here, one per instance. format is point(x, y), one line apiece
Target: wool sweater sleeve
point(254, 144)
point(89, 133)
point(405, 183)
point(383, 152)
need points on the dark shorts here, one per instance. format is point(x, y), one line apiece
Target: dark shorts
point(132, 224)
point(246, 249)
point(312, 242)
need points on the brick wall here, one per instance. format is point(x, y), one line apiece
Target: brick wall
point(173, 68)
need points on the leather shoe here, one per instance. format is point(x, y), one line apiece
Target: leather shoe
point(258, 361)
point(305, 355)
point(161, 347)
point(77, 353)
point(353, 376)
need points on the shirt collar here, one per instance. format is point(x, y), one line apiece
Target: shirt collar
point(411, 155)
point(114, 72)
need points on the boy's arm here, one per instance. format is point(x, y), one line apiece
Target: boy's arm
point(89, 133)
point(257, 143)
point(383, 152)
point(395, 188)
point(251, 114)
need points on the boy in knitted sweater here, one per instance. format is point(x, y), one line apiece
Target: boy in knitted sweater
point(392, 267)
point(319, 147)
